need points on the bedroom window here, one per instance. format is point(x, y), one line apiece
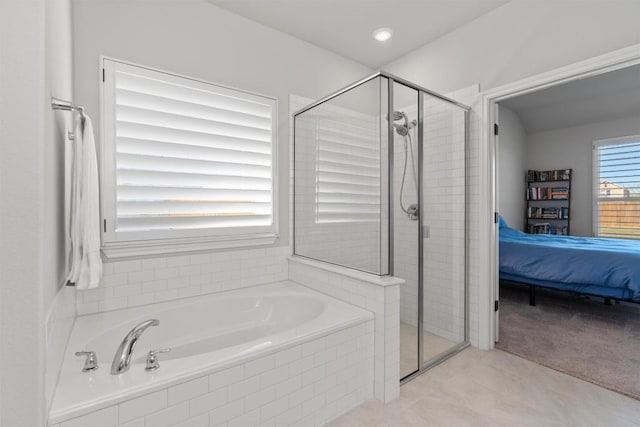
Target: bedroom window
point(617, 187)
point(186, 165)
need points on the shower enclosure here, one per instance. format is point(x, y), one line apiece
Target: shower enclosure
point(380, 186)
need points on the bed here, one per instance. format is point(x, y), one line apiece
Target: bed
point(608, 268)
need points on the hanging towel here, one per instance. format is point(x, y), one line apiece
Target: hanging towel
point(75, 217)
point(86, 264)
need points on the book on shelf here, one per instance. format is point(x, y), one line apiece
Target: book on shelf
point(547, 193)
point(552, 175)
point(547, 212)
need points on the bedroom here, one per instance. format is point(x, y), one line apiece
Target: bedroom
point(564, 303)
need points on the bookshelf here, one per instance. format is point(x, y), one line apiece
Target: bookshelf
point(548, 196)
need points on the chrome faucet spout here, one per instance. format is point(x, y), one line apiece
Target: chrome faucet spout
point(122, 358)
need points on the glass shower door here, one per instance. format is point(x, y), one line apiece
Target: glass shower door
point(443, 226)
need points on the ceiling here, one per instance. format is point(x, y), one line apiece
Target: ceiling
point(608, 96)
point(346, 26)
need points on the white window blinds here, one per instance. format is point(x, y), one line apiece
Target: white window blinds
point(348, 173)
point(617, 180)
point(185, 158)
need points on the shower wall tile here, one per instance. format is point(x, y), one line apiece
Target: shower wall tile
point(140, 282)
point(443, 301)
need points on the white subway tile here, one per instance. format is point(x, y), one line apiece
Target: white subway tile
point(243, 388)
point(168, 417)
point(176, 261)
point(289, 417)
point(262, 397)
point(313, 347)
point(313, 405)
point(258, 366)
point(168, 295)
point(249, 419)
point(142, 406)
point(301, 395)
point(208, 402)
point(274, 376)
point(154, 263)
point(199, 421)
point(225, 413)
point(226, 377)
point(128, 290)
point(188, 390)
point(113, 304)
point(298, 366)
point(107, 417)
point(136, 300)
point(289, 386)
point(140, 276)
point(138, 422)
point(289, 355)
point(127, 266)
point(313, 375)
point(274, 408)
point(269, 423)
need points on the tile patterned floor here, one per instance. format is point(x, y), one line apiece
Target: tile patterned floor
point(494, 388)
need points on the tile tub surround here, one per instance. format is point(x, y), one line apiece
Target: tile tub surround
point(308, 384)
point(319, 338)
point(139, 282)
point(381, 295)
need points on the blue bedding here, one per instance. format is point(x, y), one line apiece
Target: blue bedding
point(606, 267)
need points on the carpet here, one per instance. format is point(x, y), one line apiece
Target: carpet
point(574, 334)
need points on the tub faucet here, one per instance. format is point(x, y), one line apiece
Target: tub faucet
point(122, 358)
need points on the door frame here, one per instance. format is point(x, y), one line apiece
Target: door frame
point(488, 230)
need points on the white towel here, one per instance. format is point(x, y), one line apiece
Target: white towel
point(75, 219)
point(86, 269)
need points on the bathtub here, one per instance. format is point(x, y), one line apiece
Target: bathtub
point(206, 334)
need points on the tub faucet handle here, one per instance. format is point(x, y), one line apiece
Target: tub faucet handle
point(91, 363)
point(152, 359)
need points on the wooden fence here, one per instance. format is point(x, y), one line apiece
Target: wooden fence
point(620, 214)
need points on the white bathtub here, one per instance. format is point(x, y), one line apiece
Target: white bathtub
point(206, 334)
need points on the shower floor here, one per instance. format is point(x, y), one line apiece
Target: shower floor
point(433, 346)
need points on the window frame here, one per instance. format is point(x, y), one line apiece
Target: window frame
point(595, 160)
point(140, 243)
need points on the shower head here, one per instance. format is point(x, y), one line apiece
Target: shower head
point(402, 129)
point(399, 115)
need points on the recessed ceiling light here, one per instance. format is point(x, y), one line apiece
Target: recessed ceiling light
point(382, 34)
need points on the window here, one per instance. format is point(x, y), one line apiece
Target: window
point(186, 164)
point(348, 172)
point(616, 165)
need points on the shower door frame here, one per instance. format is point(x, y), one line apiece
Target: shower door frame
point(391, 79)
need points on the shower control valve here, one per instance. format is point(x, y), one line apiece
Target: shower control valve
point(152, 359)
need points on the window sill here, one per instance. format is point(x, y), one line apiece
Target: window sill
point(180, 246)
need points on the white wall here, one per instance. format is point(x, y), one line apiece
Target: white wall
point(200, 40)
point(571, 148)
point(511, 168)
point(197, 39)
point(36, 63)
point(59, 301)
point(22, 213)
point(520, 39)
